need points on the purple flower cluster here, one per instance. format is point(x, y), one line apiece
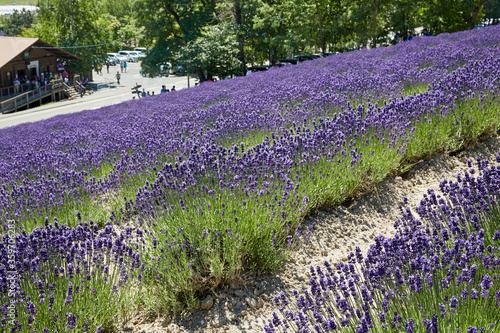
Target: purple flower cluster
point(69, 158)
point(218, 176)
point(433, 275)
point(61, 277)
point(261, 182)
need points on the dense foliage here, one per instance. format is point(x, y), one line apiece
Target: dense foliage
point(252, 31)
point(180, 192)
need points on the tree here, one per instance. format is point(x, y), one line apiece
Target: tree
point(404, 15)
point(215, 51)
point(284, 26)
point(18, 21)
point(492, 11)
point(477, 7)
point(75, 25)
point(117, 8)
point(170, 25)
point(452, 15)
point(320, 28)
point(238, 20)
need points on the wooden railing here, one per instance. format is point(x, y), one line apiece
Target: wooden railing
point(25, 99)
point(8, 92)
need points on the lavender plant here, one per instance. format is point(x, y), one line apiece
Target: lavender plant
point(438, 273)
point(217, 178)
point(57, 278)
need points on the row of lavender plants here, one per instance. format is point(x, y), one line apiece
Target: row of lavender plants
point(439, 273)
point(162, 199)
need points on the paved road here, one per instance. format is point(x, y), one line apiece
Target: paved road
point(103, 97)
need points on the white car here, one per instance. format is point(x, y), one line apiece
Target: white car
point(113, 60)
point(119, 56)
point(141, 55)
point(131, 55)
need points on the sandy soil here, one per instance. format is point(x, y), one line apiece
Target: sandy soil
point(247, 306)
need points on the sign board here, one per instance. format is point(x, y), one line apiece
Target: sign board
point(33, 64)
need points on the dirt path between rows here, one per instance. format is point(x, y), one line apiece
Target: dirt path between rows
point(246, 307)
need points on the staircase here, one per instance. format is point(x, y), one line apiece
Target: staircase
point(70, 92)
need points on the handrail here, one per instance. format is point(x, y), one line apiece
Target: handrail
point(52, 87)
point(8, 91)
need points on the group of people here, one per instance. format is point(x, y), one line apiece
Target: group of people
point(164, 89)
point(409, 36)
point(35, 81)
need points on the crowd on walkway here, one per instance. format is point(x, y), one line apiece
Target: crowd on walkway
point(163, 90)
point(23, 83)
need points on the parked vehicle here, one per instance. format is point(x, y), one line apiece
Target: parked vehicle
point(131, 55)
point(301, 58)
point(164, 70)
point(120, 57)
point(141, 55)
point(141, 49)
point(135, 54)
point(254, 69)
point(284, 62)
point(113, 60)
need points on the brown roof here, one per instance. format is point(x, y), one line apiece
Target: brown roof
point(13, 46)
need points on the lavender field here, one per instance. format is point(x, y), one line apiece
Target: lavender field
point(439, 273)
point(154, 202)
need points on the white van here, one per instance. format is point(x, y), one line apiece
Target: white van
point(131, 55)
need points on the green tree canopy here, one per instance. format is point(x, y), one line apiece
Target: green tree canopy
point(171, 24)
point(215, 51)
point(18, 21)
point(76, 25)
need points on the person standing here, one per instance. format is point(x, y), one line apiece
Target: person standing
point(121, 67)
point(17, 84)
point(173, 88)
point(107, 66)
point(398, 38)
point(425, 32)
point(118, 76)
point(409, 36)
point(125, 66)
point(163, 89)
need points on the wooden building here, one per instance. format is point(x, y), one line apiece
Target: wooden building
point(23, 58)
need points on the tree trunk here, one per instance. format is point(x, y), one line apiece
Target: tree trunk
point(201, 75)
point(374, 25)
point(475, 13)
point(239, 36)
point(322, 40)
